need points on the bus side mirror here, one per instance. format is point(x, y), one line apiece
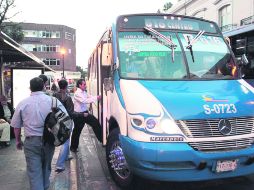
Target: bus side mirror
point(108, 84)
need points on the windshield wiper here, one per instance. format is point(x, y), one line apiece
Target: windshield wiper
point(170, 44)
point(190, 48)
point(190, 43)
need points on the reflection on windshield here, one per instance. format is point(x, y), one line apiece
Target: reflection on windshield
point(141, 56)
point(212, 58)
point(168, 41)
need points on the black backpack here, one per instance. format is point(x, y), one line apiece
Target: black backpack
point(57, 127)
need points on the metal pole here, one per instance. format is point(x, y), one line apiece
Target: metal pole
point(63, 66)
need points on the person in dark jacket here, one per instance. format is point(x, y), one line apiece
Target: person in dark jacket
point(66, 100)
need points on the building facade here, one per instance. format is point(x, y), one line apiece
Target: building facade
point(228, 14)
point(236, 20)
point(47, 42)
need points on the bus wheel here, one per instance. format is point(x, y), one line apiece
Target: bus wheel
point(117, 164)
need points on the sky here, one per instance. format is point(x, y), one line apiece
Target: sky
point(89, 18)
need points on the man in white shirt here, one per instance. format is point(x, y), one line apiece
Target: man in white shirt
point(81, 99)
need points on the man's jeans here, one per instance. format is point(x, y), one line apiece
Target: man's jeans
point(38, 160)
point(63, 154)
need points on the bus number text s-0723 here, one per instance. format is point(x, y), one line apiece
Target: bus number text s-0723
point(219, 108)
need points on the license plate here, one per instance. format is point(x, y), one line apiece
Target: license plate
point(226, 165)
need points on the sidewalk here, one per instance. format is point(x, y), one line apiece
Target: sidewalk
point(86, 171)
point(92, 168)
point(13, 171)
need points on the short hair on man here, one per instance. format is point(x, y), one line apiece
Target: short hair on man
point(62, 84)
point(44, 78)
point(79, 82)
point(36, 84)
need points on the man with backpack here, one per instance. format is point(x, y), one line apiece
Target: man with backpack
point(66, 100)
point(31, 114)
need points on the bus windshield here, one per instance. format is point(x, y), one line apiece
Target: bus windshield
point(193, 56)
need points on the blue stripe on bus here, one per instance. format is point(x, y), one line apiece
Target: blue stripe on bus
point(186, 99)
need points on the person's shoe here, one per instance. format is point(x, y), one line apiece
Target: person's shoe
point(74, 150)
point(59, 170)
point(8, 143)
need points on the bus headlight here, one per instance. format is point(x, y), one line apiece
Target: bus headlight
point(150, 123)
point(155, 125)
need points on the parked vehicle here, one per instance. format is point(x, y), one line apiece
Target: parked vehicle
point(174, 106)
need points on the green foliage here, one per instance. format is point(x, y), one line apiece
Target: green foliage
point(83, 73)
point(167, 6)
point(14, 31)
point(11, 29)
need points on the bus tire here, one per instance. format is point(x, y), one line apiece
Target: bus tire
point(123, 177)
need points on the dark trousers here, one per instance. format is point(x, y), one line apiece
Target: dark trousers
point(79, 123)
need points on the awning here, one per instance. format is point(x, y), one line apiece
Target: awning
point(239, 30)
point(14, 53)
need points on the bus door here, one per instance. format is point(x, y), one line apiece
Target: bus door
point(106, 86)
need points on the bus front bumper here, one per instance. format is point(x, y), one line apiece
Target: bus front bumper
point(180, 162)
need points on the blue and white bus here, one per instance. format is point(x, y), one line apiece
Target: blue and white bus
point(174, 107)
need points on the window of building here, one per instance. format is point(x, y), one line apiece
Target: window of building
point(225, 15)
point(51, 62)
point(31, 33)
point(46, 34)
point(29, 47)
point(41, 34)
point(55, 34)
point(41, 48)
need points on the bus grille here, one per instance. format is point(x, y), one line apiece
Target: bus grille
point(209, 129)
point(226, 145)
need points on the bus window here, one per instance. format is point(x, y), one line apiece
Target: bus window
point(143, 56)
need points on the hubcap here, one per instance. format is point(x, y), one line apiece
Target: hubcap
point(118, 162)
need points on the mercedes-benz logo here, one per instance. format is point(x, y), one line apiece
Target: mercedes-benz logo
point(224, 127)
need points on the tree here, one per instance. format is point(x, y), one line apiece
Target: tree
point(5, 6)
point(167, 6)
point(83, 73)
point(13, 30)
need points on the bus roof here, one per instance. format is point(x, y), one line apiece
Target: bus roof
point(239, 30)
